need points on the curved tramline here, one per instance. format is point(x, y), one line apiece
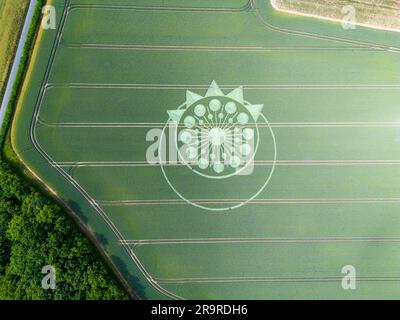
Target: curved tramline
point(69, 178)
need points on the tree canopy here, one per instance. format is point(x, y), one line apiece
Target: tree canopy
point(35, 232)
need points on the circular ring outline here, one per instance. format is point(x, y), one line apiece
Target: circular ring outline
point(227, 208)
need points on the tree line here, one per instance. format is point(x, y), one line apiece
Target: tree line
point(35, 232)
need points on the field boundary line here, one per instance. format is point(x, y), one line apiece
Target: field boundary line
point(272, 240)
point(137, 47)
point(152, 202)
point(273, 279)
point(326, 124)
point(80, 164)
point(204, 86)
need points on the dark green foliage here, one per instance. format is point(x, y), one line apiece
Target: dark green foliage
point(35, 232)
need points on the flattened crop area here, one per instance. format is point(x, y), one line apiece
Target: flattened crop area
point(329, 163)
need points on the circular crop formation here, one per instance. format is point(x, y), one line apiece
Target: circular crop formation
point(217, 136)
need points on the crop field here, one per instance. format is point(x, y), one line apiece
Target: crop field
point(324, 190)
point(373, 13)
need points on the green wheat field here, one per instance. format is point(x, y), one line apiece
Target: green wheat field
point(112, 70)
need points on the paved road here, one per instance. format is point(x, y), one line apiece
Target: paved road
point(14, 70)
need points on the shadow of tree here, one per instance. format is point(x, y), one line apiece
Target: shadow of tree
point(74, 206)
point(123, 268)
point(133, 281)
point(101, 238)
